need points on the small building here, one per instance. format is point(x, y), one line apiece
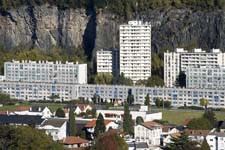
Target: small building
point(197, 135)
point(148, 132)
point(216, 140)
point(90, 126)
point(73, 142)
point(43, 111)
point(56, 127)
point(78, 108)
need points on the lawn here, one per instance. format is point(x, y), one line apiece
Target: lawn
point(178, 116)
point(52, 106)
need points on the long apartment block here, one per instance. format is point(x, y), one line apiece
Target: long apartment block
point(180, 60)
point(45, 72)
point(67, 92)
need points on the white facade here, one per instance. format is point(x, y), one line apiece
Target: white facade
point(205, 77)
point(216, 141)
point(104, 61)
point(135, 50)
point(2, 78)
point(181, 60)
point(45, 113)
point(148, 133)
point(45, 72)
point(118, 115)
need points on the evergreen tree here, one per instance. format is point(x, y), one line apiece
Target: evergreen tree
point(147, 100)
point(199, 124)
point(127, 120)
point(139, 120)
point(130, 99)
point(100, 125)
point(72, 123)
point(210, 115)
point(59, 113)
point(205, 145)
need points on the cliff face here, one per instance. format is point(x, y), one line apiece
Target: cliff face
point(44, 27)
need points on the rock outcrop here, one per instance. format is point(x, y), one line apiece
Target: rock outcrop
point(47, 26)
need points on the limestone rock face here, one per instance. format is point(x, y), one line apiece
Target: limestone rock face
point(46, 26)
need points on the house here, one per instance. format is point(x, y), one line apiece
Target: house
point(137, 146)
point(167, 131)
point(78, 108)
point(90, 126)
point(197, 135)
point(168, 138)
point(56, 127)
point(148, 132)
point(25, 120)
point(216, 140)
point(75, 142)
point(45, 112)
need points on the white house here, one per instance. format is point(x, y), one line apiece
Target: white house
point(56, 127)
point(90, 126)
point(197, 135)
point(168, 132)
point(75, 142)
point(148, 132)
point(45, 112)
point(216, 140)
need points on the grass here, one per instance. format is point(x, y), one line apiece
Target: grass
point(178, 116)
point(52, 106)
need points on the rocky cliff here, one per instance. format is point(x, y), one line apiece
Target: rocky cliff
point(44, 27)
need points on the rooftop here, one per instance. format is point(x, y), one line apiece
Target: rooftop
point(197, 132)
point(74, 140)
point(151, 125)
point(92, 123)
point(55, 122)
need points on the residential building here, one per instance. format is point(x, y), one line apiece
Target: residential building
point(90, 126)
point(45, 72)
point(2, 78)
point(180, 60)
point(197, 135)
point(148, 132)
point(206, 77)
point(56, 127)
point(117, 115)
point(135, 50)
point(18, 120)
point(216, 140)
point(44, 112)
point(108, 61)
point(72, 142)
point(169, 131)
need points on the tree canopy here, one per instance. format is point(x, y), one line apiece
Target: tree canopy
point(205, 145)
point(199, 124)
point(128, 125)
point(20, 137)
point(60, 113)
point(100, 125)
point(72, 128)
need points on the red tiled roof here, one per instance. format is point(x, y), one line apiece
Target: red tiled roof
point(92, 123)
point(175, 135)
point(151, 124)
point(4, 112)
point(22, 108)
point(74, 140)
point(197, 132)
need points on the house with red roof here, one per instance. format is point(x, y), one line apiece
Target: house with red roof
point(90, 126)
point(72, 142)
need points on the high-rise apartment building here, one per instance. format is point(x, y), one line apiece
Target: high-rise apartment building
point(108, 61)
point(45, 71)
point(180, 60)
point(135, 50)
point(206, 77)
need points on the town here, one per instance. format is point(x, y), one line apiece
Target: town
point(55, 97)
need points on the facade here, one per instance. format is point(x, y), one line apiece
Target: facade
point(206, 77)
point(55, 127)
point(45, 72)
point(180, 60)
point(216, 140)
point(66, 92)
point(135, 50)
point(72, 142)
point(108, 61)
point(148, 132)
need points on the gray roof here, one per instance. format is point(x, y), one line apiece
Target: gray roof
point(142, 145)
point(21, 119)
point(219, 134)
point(55, 122)
point(37, 108)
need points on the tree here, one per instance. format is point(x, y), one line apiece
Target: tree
point(100, 125)
point(127, 120)
point(158, 102)
point(109, 141)
point(204, 103)
point(181, 79)
point(155, 81)
point(60, 113)
point(182, 143)
point(199, 124)
point(53, 97)
point(210, 115)
point(25, 137)
point(167, 104)
point(130, 99)
point(139, 120)
point(205, 145)
point(103, 78)
point(72, 129)
point(147, 100)
point(122, 80)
